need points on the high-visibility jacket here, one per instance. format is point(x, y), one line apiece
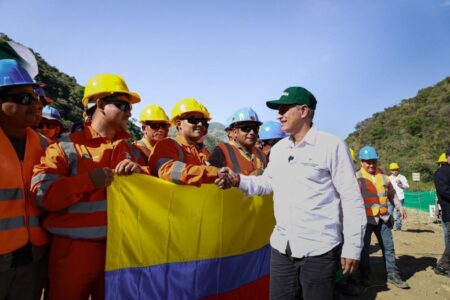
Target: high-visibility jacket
point(63, 187)
point(144, 146)
point(376, 192)
point(177, 161)
point(19, 217)
point(239, 161)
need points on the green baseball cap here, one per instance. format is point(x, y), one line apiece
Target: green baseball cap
point(292, 96)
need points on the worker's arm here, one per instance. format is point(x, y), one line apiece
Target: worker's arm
point(403, 183)
point(51, 184)
point(165, 163)
point(353, 212)
point(127, 159)
point(393, 198)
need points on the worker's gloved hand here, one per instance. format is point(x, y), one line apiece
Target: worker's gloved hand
point(101, 177)
point(222, 178)
point(127, 167)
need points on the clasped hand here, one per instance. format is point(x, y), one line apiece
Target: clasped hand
point(226, 178)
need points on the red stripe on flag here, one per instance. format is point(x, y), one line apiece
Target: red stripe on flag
point(257, 290)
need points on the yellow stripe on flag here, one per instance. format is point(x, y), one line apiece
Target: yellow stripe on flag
point(152, 221)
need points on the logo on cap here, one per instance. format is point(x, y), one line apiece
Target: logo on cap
point(285, 94)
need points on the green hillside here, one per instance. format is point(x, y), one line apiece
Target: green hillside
point(66, 91)
point(412, 133)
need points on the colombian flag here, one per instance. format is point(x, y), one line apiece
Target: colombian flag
point(167, 241)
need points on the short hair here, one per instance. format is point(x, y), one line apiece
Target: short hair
point(447, 152)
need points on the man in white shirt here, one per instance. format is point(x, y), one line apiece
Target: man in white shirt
point(400, 184)
point(316, 201)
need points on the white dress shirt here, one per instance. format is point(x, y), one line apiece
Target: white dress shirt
point(316, 196)
point(399, 190)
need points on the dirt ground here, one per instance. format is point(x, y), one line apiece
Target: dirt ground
point(417, 247)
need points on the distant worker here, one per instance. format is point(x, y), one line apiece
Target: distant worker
point(228, 130)
point(400, 184)
point(442, 160)
point(377, 190)
point(270, 133)
point(241, 155)
point(51, 125)
point(442, 184)
point(43, 101)
point(155, 126)
point(178, 159)
point(70, 183)
point(23, 241)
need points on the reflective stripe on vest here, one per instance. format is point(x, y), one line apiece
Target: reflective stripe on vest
point(88, 207)
point(11, 194)
point(233, 158)
point(176, 172)
point(136, 153)
point(34, 221)
point(11, 223)
point(46, 179)
point(80, 232)
point(261, 157)
point(69, 150)
point(42, 141)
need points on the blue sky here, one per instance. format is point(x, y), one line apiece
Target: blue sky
point(357, 57)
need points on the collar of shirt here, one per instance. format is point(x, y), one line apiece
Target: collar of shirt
point(91, 134)
point(310, 138)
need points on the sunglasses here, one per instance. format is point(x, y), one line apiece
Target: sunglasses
point(249, 128)
point(22, 98)
point(48, 125)
point(156, 126)
point(369, 161)
point(122, 105)
point(195, 121)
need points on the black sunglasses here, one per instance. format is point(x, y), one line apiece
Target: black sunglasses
point(156, 126)
point(249, 128)
point(122, 105)
point(49, 125)
point(195, 121)
point(22, 98)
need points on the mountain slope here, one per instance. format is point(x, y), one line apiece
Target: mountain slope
point(412, 133)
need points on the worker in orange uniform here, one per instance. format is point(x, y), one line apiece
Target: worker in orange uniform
point(23, 241)
point(240, 154)
point(70, 183)
point(179, 160)
point(155, 126)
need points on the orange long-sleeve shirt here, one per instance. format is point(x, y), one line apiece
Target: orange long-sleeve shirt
point(177, 161)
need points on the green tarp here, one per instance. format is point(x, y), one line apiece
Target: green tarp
point(420, 200)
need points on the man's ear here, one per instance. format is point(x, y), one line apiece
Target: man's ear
point(100, 104)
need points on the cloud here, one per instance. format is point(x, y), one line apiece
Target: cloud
point(446, 3)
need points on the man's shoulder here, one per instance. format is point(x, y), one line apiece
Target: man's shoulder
point(329, 138)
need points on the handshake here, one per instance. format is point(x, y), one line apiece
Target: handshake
point(226, 178)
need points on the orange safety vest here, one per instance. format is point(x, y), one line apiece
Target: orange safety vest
point(175, 160)
point(81, 153)
point(240, 163)
point(19, 217)
point(375, 194)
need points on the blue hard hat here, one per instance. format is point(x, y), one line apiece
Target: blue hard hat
point(245, 114)
point(228, 122)
point(51, 113)
point(271, 130)
point(367, 153)
point(12, 74)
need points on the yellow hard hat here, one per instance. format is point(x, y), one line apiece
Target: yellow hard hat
point(106, 84)
point(352, 154)
point(393, 166)
point(442, 158)
point(188, 105)
point(153, 112)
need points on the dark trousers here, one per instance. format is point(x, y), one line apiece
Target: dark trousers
point(308, 278)
point(445, 259)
